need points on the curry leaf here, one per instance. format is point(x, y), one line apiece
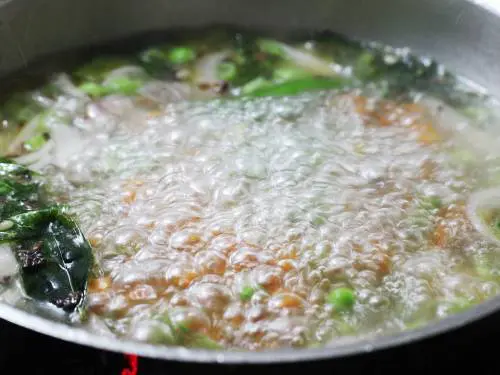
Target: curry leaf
point(53, 254)
point(61, 276)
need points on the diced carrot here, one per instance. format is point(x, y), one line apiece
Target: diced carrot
point(427, 134)
point(99, 284)
point(129, 197)
point(287, 265)
point(440, 236)
point(290, 301)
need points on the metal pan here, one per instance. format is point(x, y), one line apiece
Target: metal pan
point(461, 34)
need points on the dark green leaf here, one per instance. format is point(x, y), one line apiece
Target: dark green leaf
point(54, 256)
point(61, 278)
point(9, 168)
point(28, 225)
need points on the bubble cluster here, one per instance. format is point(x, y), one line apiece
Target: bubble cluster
point(236, 219)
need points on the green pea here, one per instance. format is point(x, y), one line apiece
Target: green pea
point(227, 71)
point(341, 298)
point(247, 293)
point(181, 55)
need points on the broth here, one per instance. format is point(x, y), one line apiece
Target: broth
point(246, 193)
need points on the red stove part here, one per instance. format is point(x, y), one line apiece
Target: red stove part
point(133, 362)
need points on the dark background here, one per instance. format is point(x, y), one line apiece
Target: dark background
point(474, 348)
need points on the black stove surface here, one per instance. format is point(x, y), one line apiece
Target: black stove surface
point(474, 347)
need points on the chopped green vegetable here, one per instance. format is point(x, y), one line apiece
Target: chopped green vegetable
point(123, 86)
point(181, 55)
point(459, 305)
point(118, 85)
point(431, 203)
point(156, 62)
point(247, 293)
point(288, 73)
point(255, 85)
point(227, 71)
point(93, 89)
point(342, 299)
point(35, 143)
point(251, 65)
point(364, 68)
point(184, 336)
point(97, 69)
point(298, 86)
point(272, 47)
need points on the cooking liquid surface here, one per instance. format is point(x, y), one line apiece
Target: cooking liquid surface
point(269, 222)
point(238, 218)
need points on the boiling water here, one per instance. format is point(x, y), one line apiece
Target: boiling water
point(238, 217)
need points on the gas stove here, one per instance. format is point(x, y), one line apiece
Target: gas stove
point(475, 345)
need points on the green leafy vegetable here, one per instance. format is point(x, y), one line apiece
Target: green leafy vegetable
point(97, 69)
point(288, 73)
point(118, 85)
point(123, 85)
point(298, 86)
point(93, 89)
point(227, 71)
point(271, 47)
point(53, 254)
point(156, 61)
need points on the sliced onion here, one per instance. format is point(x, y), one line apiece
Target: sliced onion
point(27, 132)
point(309, 62)
point(484, 199)
point(166, 92)
point(128, 71)
point(451, 121)
point(205, 70)
point(8, 263)
point(43, 153)
point(117, 105)
point(68, 142)
point(65, 84)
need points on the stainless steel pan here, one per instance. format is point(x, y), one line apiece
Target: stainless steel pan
point(463, 35)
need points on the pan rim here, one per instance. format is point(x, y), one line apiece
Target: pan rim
point(361, 346)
